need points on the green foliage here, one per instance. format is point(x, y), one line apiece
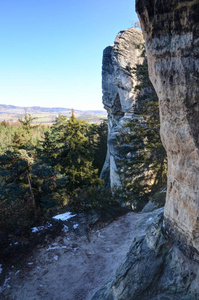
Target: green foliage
point(45, 170)
point(104, 203)
point(50, 187)
point(145, 165)
point(27, 123)
point(68, 147)
point(4, 124)
point(17, 217)
point(98, 141)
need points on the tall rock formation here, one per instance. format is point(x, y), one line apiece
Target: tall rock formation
point(171, 32)
point(155, 267)
point(119, 97)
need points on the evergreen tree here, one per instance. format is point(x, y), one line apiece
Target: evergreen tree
point(73, 154)
point(68, 149)
point(26, 122)
point(98, 141)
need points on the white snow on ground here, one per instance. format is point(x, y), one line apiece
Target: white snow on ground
point(65, 228)
point(17, 272)
point(75, 226)
point(40, 228)
point(56, 247)
point(37, 229)
point(64, 217)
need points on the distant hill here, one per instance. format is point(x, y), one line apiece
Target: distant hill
point(46, 115)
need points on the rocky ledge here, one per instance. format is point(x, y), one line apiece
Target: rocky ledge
point(154, 268)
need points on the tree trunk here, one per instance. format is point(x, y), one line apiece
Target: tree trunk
point(31, 192)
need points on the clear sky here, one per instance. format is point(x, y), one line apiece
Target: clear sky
point(51, 50)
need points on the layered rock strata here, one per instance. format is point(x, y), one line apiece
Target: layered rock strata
point(171, 32)
point(119, 97)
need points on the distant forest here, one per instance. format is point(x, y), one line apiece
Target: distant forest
point(47, 115)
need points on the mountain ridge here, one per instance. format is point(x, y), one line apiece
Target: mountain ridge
point(11, 113)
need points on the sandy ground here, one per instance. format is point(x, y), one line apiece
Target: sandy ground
point(73, 266)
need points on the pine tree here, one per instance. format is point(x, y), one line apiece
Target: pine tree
point(98, 141)
point(72, 153)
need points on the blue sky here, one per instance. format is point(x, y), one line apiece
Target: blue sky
point(51, 51)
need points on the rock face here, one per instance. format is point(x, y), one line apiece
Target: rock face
point(171, 32)
point(154, 268)
point(119, 97)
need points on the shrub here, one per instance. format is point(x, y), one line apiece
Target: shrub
point(105, 203)
point(17, 217)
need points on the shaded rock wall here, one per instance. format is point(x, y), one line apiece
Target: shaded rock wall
point(119, 97)
point(154, 269)
point(171, 32)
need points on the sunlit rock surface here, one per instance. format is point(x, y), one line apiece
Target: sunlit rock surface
point(171, 32)
point(119, 97)
point(163, 262)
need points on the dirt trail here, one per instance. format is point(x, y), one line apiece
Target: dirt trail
point(73, 267)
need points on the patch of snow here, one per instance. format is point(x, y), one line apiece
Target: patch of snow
point(17, 272)
point(64, 217)
point(56, 257)
point(30, 263)
point(101, 236)
point(150, 219)
point(6, 285)
point(37, 229)
point(16, 243)
point(65, 228)
point(75, 226)
point(53, 248)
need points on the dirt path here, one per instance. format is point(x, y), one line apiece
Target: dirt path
point(73, 267)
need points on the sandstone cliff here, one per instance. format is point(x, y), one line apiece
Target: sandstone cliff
point(119, 97)
point(171, 31)
point(163, 263)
